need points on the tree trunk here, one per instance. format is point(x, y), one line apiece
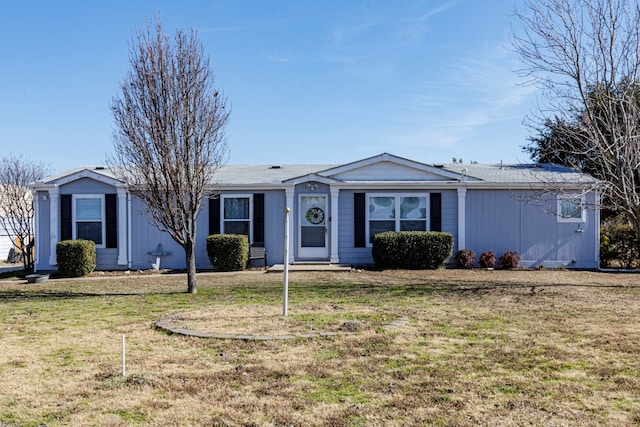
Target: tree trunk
point(189, 252)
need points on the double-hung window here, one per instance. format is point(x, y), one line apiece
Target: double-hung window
point(571, 208)
point(396, 212)
point(236, 214)
point(88, 218)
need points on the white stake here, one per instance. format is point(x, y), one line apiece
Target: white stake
point(124, 370)
point(285, 294)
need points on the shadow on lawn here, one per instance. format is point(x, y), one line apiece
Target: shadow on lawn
point(16, 295)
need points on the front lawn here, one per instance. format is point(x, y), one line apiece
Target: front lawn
point(479, 348)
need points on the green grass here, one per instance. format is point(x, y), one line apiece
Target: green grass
point(478, 349)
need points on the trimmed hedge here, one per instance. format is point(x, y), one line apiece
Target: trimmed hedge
point(76, 257)
point(228, 252)
point(412, 249)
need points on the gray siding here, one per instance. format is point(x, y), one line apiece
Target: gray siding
point(519, 221)
point(87, 186)
point(346, 251)
point(106, 259)
point(274, 206)
point(146, 237)
point(362, 256)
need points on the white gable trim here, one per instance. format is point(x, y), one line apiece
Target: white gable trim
point(386, 157)
point(311, 177)
point(74, 176)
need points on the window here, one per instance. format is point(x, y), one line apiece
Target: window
point(397, 212)
point(88, 218)
point(236, 214)
point(571, 208)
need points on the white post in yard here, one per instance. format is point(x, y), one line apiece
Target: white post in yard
point(285, 294)
point(124, 370)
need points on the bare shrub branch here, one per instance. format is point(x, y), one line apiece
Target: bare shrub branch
point(17, 208)
point(170, 132)
point(585, 55)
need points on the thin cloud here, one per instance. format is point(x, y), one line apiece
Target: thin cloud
point(413, 32)
point(275, 58)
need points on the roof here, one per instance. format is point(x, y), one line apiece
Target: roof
point(265, 174)
point(366, 170)
point(521, 173)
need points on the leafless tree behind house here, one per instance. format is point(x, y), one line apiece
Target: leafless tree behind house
point(17, 208)
point(169, 136)
point(585, 55)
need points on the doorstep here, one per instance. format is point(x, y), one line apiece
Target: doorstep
point(310, 266)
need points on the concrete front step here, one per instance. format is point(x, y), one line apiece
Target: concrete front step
point(310, 266)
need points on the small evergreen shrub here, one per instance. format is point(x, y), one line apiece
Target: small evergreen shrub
point(76, 257)
point(487, 259)
point(510, 259)
point(465, 258)
point(228, 252)
point(412, 249)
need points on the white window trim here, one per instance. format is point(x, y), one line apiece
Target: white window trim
point(397, 219)
point(562, 219)
point(237, 196)
point(103, 219)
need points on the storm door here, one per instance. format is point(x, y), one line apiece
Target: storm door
point(313, 231)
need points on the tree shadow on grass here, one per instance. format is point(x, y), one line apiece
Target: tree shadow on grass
point(17, 295)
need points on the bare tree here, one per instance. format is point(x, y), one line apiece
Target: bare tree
point(17, 209)
point(170, 132)
point(585, 55)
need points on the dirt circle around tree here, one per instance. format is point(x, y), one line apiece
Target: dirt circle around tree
point(268, 322)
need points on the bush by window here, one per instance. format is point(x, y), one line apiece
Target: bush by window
point(412, 249)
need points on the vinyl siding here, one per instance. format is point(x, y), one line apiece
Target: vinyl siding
point(508, 220)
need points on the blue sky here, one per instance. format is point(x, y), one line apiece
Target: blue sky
point(308, 82)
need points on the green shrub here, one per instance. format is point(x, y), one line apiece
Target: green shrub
point(618, 245)
point(487, 259)
point(465, 258)
point(228, 252)
point(509, 260)
point(412, 249)
point(76, 257)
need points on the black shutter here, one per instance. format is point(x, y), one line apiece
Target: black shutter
point(111, 213)
point(214, 216)
point(435, 206)
point(359, 220)
point(65, 217)
point(258, 219)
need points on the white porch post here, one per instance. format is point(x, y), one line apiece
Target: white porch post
point(289, 192)
point(462, 194)
point(36, 228)
point(54, 223)
point(333, 218)
point(122, 226)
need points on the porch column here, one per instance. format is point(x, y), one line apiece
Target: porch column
point(289, 192)
point(333, 218)
point(54, 223)
point(462, 194)
point(122, 226)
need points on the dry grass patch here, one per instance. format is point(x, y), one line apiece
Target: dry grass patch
point(480, 348)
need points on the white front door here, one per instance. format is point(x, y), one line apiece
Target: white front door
point(313, 231)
